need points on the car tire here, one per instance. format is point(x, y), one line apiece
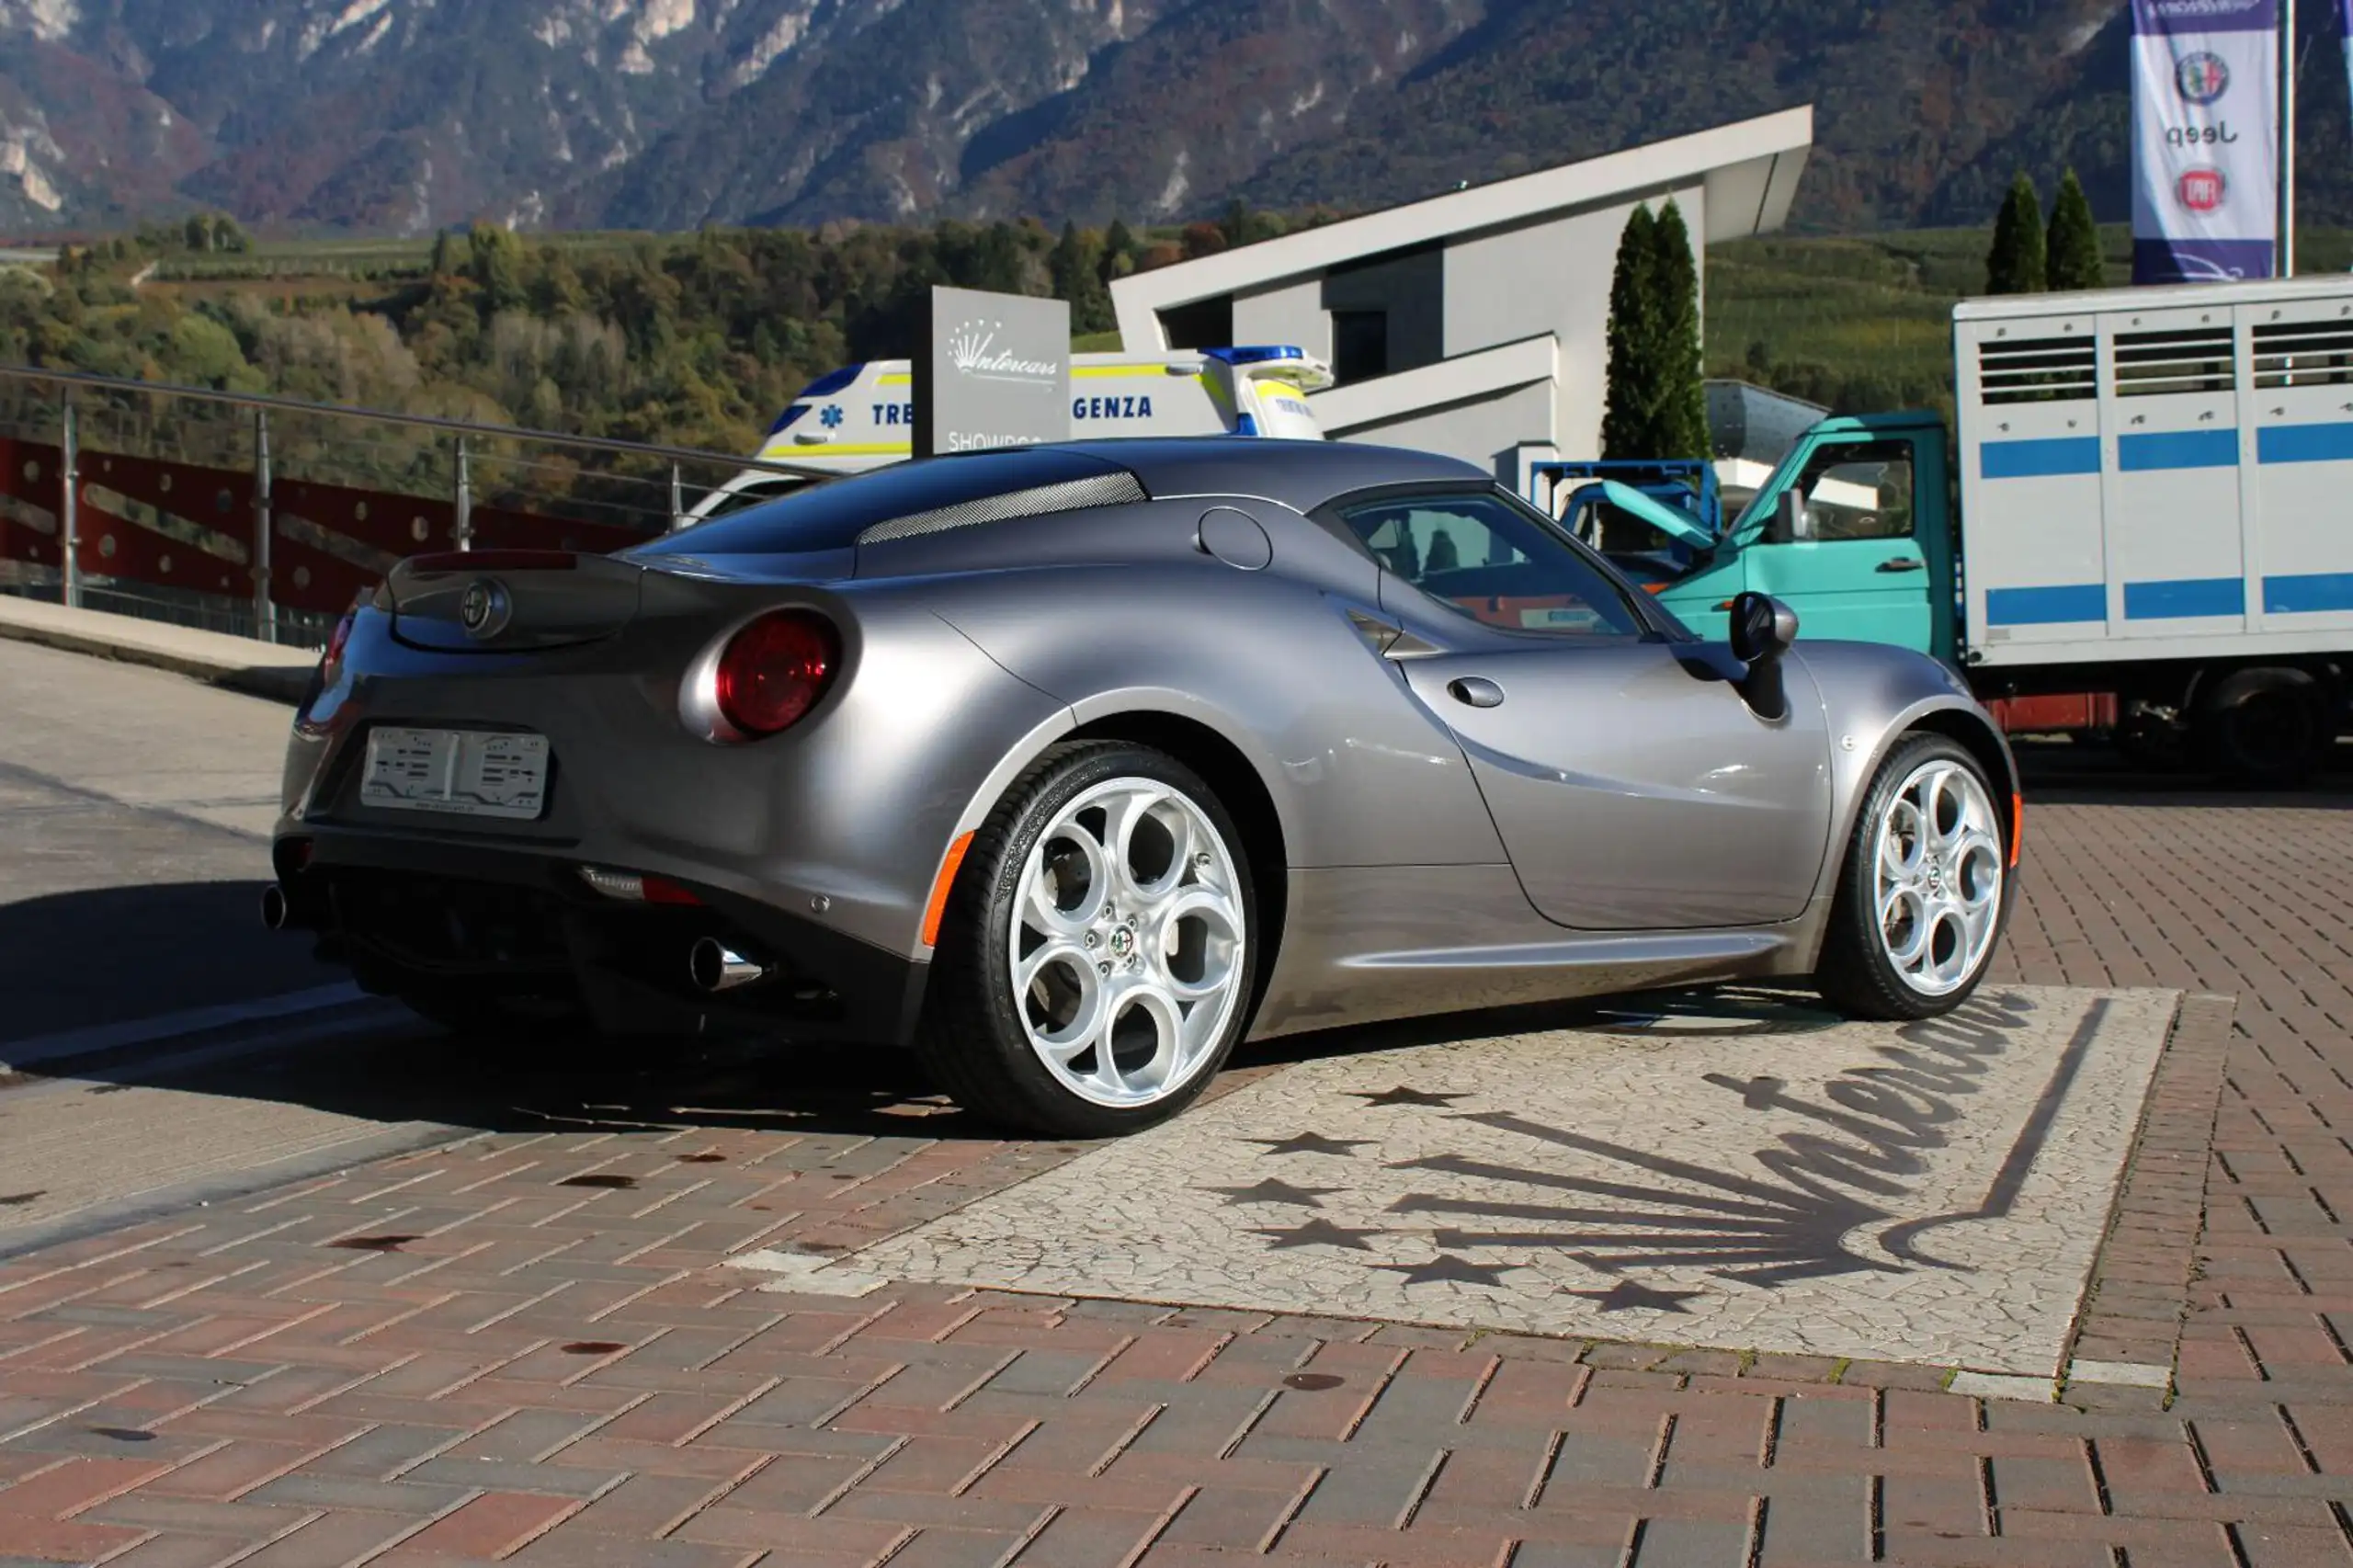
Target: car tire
point(1946, 890)
point(1141, 969)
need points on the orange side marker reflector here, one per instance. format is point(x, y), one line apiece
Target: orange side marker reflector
point(937, 908)
point(2018, 826)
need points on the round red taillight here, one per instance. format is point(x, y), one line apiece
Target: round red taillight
point(774, 671)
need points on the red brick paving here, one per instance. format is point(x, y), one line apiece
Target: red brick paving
point(555, 1376)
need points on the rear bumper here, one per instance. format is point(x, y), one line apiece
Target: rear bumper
point(409, 915)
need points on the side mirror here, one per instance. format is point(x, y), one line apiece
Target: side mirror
point(1762, 629)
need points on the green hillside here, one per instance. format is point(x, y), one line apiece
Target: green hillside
point(1864, 323)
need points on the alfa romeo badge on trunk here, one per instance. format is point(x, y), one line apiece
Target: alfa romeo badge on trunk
point(486, 608)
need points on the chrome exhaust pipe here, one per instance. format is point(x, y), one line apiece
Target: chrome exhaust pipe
point(274, 911)
point(717, 967)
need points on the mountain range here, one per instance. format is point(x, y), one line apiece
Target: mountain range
point(402, 116)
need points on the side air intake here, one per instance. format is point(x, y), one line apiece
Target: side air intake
point(1071, 495)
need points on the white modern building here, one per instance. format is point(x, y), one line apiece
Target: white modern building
point(1474, 323)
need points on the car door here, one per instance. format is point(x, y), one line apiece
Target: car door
point(1853, 566)
point(1638, 779)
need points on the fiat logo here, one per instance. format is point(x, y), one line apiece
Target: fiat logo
point(484, 609)
point(2201, 191)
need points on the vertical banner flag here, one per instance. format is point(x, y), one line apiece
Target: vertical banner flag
point(2205, 140)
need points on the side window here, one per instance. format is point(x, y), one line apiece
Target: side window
point(1489, 561)
point(1859, 490)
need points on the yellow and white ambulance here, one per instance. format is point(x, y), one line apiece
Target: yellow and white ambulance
point(862, 416)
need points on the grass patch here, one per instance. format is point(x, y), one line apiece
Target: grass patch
point(1870, 314)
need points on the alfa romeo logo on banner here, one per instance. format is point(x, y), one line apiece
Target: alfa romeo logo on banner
point(2202, 78)
point(2205, 139)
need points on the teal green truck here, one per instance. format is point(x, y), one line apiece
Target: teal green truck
point(2140, 526)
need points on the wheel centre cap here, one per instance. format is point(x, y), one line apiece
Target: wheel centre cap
point(1123, 941)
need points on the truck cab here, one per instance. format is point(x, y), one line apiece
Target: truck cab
point(1853, 531)
point(2135, 528)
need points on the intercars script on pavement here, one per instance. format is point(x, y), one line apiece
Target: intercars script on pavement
point(1754, 1175)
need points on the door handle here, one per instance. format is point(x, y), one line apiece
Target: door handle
point(1476, 690)
point(1901, 563)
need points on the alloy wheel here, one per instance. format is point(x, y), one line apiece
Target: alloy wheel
point(1128, 943)
point(1939, 877)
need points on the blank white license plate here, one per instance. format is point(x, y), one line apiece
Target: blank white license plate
point(465, 772)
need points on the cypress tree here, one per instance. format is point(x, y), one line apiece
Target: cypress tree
point(2015, 264)
point(497, 258)
point(1119, 252)
point(1236, 222)
point(1627, 424)
point(1679, 427)
point(2072, 257)
point(1073, 264)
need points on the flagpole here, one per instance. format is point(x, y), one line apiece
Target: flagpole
point(2288, 139)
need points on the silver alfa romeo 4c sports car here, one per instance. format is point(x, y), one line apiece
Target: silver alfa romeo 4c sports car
point(1072, 765)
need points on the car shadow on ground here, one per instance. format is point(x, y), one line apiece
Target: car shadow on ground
point(73, 960)
point(414, 1072)
point(1711, 1011)
point(374, 1062)
point(405, 1070)
point(90, 959)
point(114, 955)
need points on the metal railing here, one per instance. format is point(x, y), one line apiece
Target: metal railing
point(272, 444)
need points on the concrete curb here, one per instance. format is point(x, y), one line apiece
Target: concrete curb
point(238, 664)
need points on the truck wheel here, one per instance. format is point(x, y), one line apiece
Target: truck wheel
point(1922, 891)
point(2266, 727)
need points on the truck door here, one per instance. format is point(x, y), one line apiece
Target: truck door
point(1852, 559)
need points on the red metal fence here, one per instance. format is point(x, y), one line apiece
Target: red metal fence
point(141, 522)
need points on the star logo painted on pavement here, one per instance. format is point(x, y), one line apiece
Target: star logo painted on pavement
point(1311, 1143)
point(1319, 1233)
point(1626, 1295)
point(1447, 1266)
point(1403, 1096)
point(1274, 1190)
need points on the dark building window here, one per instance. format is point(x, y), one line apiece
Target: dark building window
point(1359, 345)
point(1205, 324)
